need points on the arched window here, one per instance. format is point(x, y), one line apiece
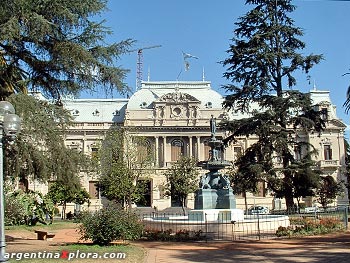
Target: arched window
point(177, 149)
point(144, 150)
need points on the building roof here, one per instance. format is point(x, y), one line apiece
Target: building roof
point(97, 110)
point(113, 110)
point(152, 91)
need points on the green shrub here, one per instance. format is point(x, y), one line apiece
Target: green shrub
point(302, 205)
point(284, 231)
point(14, 211)
point(109, 224)
point(310, 226)
point(26, 208)
point(330, 223)
point(170, 235)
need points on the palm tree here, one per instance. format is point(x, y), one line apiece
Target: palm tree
point(347, 102)
point(12, 79)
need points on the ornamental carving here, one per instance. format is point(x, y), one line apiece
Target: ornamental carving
point(326, 141)
point(324, 103)
point(177, 97)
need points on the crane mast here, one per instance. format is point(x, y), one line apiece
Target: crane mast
point(139, 65)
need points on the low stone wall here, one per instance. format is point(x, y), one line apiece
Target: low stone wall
point(220, 229)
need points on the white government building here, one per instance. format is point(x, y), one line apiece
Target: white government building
point(174, 117)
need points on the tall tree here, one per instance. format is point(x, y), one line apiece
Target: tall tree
point(245, 174)
point(58, 47)
point(263, 58)
point(39, 152)
point(124, 159)
point(182, 179)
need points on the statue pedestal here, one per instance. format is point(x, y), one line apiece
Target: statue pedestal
point(216, 215)
point(214, 199)
point(205, 199)
point(226, 199)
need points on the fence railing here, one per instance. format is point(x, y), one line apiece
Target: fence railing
point(253, 227)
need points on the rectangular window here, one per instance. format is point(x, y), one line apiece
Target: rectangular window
point(327, 152)
point(94, 189)
point(237, 152)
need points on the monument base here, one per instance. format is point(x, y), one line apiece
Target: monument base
point(214, 199)
point(216, 215)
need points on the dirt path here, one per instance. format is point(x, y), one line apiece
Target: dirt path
point(26, 241)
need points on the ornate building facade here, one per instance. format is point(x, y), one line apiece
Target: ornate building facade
point(174, 117)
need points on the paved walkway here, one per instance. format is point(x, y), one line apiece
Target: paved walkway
point(333, 248)
point(330, 248)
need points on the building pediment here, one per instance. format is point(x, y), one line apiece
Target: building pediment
point(338, 123)
point(177, 97)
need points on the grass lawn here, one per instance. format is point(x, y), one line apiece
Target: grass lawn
point(85, 253)
point(56, 225)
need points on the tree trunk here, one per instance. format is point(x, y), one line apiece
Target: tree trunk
point(183, 201)
point(298, 202)
point(288, 184)
point(245, 202)
point(64, 206)
point(289, 202)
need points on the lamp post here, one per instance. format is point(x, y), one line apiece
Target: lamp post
point(9, 126)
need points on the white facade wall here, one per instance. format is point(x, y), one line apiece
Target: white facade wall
point(164, 111)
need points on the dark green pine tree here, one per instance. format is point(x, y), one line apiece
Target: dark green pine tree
point(58, 47)
point(263, 57)
point(246, 173)
point(39, 151)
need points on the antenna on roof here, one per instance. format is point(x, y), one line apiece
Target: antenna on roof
point(203, 75)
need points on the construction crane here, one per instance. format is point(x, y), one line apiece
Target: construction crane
point(139, 64)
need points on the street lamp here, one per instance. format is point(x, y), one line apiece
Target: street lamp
point(9, 126)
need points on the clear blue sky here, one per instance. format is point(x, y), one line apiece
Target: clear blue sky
point(204, 29)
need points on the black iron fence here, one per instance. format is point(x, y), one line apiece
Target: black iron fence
point(253, 227)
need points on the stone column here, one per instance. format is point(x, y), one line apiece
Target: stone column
point(190, 145)
point(199, 148)
point(164, 151)
point(157, 151)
